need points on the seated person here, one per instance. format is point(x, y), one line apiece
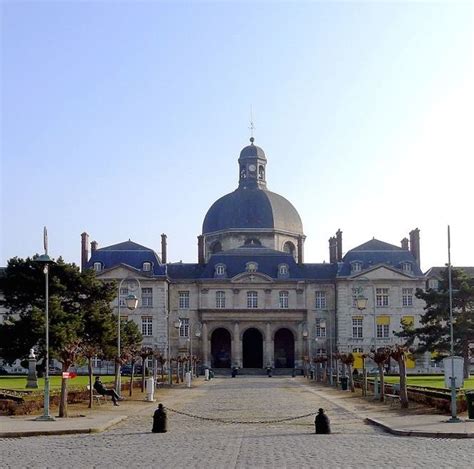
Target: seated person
point(103, 391)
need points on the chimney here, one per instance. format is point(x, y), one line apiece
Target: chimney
point(84, 250)
point(164, 254)
point(339, 245)
point(415, 244)
point(94, 246)
point(201, 249)
point(300, 249)
point(404, 243)
point(332, 250)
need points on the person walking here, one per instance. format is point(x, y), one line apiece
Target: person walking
point(159, 420)
point(321, 423)
point(103, 391)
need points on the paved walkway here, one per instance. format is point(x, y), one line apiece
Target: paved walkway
point(196, 443)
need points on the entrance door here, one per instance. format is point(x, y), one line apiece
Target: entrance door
point(220, 348)
point(252, 345)
point(284, 349)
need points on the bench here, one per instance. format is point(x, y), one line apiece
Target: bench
point(97, 397)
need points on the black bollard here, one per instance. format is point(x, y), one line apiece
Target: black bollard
point(159, 420)
point(321, 423)
point(234, 372)
point(269, 371)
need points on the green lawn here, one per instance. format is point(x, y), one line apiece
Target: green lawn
point(429, 381)
point(18, 383)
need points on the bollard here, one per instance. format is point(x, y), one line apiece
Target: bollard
point(188, 379)
point(150, 390)
point(206, 374)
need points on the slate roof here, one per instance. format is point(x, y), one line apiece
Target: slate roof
point(252, 208)
point(268, 260)
point(128, 253)
point(252, 151)
point(436, 271)
point(376, 252)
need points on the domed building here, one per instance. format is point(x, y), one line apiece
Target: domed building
point(251, 301)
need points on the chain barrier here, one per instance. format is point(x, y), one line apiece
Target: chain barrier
point(217, 419)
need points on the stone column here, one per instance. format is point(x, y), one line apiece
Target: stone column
point(205, 345)
point(269, 358)
point(237, 347)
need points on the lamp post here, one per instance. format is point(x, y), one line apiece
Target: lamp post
point(131, 301)
point(177, 325)
point(46, 261)
point(198, 335)
point(361, 304)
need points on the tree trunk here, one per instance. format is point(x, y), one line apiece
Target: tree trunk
point(63, 400)
point(91, 389)
point(466, 365)
point(177, 372)
point(337, 374)
point(382, 382)
point(403, 381)
point(130, 391)
point(143, 373)
point(351, 379)
point(364, 378)
point(117, 374)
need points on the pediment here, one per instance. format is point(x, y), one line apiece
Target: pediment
point(251, 277)
point(382, 272)
point(121, 271)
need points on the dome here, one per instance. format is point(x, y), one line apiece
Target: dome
point(252, 151)
point(252, 208)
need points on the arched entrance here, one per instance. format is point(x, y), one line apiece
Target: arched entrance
point(252, 345)
point(284, 350)
point(220, 348)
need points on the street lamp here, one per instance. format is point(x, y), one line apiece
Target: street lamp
point(46, 261)
point(131, 302)
point(177, 325)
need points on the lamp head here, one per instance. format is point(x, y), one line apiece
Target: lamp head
point(44, 259)
point(177, 323)
point(361, 302)
point(132, 302)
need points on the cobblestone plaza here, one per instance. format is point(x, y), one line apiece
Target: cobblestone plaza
point(194, 442)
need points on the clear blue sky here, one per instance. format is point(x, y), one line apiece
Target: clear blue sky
point(126, 120)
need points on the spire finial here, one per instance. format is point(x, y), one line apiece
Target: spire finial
point(252, 126)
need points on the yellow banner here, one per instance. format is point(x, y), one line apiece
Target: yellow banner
point(358, 360)
point(383, 320)
point(408, 320)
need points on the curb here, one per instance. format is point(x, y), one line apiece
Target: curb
point(72, 431)
point(394, 431)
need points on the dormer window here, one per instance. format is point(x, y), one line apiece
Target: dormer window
point(146, 266)
point(407, 267)
point(97, 266)
point(220, 270)
point(251, 267)
point(356, 266)
point(283, 270)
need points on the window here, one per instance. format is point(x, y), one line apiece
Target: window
point(381, 295)
point(320, 328)
point(220, 269)
point(220, 299)
point(289, 247)
point(123, 295)
point(356, 266)
point(251, 267)
point(357, 350)
point(406, 267)
point(383, 327)
point(146, 266)
point(184, 329)
point(183, 300)
point(147, 325)
point(407, 296)
point(97, 266)
point(282, 270)
point(321, 300)
point(321, 351)
point(147, 297)
point(357, 330)
point(96, 362)
point(433, 283)
point(283, 299)
point(252, 299)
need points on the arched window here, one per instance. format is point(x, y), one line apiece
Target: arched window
point(283, 270)
point(289, 247)
point(97, 266)
point(220, 270)
point(216, 247)
point(146, 266)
